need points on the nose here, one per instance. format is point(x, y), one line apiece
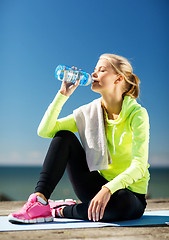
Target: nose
point(94, 75)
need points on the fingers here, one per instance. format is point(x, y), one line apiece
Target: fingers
point(67, 88)
point(102, 211)
point(97, 215)
point(95, 211)
point(77, 82)
point(90, 211)
point(76, 68)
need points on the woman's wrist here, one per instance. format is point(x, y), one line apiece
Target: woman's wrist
point(106, 188)
point(63, 93)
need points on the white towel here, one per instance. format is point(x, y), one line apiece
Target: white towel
point(90, 124)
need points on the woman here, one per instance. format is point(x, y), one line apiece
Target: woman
point(109, 171)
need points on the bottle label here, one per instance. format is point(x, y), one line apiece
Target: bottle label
point(70, 76)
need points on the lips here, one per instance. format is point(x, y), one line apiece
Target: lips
point(95, 81)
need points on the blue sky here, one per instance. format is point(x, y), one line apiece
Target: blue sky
point(38, 35)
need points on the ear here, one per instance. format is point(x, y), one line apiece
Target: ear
point(119, 79)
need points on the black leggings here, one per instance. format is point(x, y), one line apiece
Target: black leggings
point(66, 152)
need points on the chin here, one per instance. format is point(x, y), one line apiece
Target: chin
point(95, 89)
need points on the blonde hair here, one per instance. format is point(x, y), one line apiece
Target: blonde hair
point(123, 67)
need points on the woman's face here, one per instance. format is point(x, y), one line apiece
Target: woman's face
point(104, 77)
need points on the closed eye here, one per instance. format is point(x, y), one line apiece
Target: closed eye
point(101, 69)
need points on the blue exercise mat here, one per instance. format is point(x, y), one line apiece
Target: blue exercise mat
point(149, 218)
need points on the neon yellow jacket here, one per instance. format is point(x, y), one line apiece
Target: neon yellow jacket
point(127, 138)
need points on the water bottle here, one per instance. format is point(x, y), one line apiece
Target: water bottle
point(65, 73)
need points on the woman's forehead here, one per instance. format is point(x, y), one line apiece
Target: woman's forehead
point(103, 63)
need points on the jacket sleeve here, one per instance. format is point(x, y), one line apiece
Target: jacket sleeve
point(50, 124)
point(139, 154)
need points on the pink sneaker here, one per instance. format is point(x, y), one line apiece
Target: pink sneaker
point(32, 212)
point(56, 206)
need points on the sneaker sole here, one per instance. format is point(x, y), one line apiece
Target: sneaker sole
point(35, 220)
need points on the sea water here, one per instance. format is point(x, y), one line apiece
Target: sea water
point(17, 183)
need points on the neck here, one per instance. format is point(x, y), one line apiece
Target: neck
point(113, 105)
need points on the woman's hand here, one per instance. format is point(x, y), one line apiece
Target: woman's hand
point(67, 88)
point(98, 204)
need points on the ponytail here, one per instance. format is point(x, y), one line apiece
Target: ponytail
point(132, 83)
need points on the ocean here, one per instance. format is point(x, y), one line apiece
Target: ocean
point(17, 183)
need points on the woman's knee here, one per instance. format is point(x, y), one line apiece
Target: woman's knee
point(124, 199)
point(67, 138)
point(124, 205)
point(65, 135)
